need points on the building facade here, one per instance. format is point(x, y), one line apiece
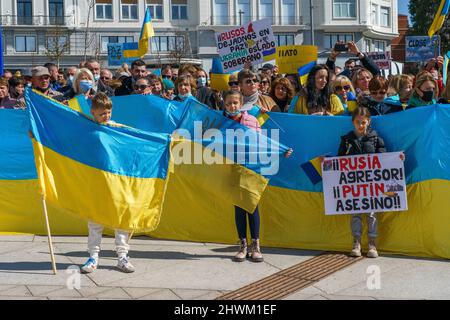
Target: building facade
point(68, 31)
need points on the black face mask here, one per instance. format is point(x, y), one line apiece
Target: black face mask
point(427, 96)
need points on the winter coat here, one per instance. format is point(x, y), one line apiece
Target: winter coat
point(370, 143)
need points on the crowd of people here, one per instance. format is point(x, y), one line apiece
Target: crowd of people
point(357, 89)
point(329, 89)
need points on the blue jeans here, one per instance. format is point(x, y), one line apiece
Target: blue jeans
point(241, 222)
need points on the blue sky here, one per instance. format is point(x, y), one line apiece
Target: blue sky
point(403, 6)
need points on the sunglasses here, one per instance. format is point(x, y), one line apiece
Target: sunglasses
point(44, 77)
point(264, 82)
point(233, 83)
point(339, 88)
point(283, 89)
point(251, 81)
point(141, 87)
point(105, 78)
point(165, 76)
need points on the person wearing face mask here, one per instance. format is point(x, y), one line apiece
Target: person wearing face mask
point(40, 81)
point(204, 94)
point(94, 67)
point(425, 91)
point(185, 87)
point(83, 83)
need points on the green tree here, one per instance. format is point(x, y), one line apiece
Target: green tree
point(422, 14)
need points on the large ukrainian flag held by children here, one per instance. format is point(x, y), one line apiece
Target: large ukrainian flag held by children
point(236, 162)
point(114, 176)
point(139, 49)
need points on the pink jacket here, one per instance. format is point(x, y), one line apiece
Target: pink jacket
point(250, 121)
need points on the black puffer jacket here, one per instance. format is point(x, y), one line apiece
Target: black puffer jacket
point(371, 143)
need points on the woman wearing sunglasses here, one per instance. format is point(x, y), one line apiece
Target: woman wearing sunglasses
point(249, 84)
point(282, 93)
point(264, 85)
point(342, 89)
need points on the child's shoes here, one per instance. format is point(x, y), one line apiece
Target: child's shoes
point(90, 265)
point(356, 249)
point(125, 265)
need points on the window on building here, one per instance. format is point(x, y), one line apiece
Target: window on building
point(221, 16)
point(25, 43)
point(379, 46)
point(285, 39)
point(114, 39)
point(156, 9)
point(375, 45)
point(179, 10)
point(385, 16)
point(24, 12)
point(243, 11)
point(59, 44)
point(56, 11)
point(331, 39)
point(344, 8)
point(288, 12)
point(167, 43)
point(266, 9)
point(374, 14)
point(129, 9)
point(103, 10)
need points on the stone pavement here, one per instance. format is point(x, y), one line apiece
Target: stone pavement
point(178, 270)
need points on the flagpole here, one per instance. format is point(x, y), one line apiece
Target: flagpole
point(50, 244)
point(1, 48)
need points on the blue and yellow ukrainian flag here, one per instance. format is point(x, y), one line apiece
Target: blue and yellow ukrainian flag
point(114, 176)
point(313, 169)
point(261, 117)
point(303, 71)
point(238, 175)
point(140, 49)
point(219, 78)
point(269, 55)
point(80, 104)
point(439, 19)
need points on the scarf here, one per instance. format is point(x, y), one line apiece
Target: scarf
point(250, 101)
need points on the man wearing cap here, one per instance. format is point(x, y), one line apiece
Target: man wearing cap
point(40, 81)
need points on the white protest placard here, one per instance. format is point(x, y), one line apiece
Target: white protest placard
point(382, 59)
point(253, 42)
point(364, 183)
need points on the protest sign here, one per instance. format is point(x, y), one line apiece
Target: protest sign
point(364, 183)
point(382, 59)
point(115, 55)
point(253, 43)
point(422, 48)
point(290, 58)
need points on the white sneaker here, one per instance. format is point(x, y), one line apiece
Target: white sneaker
point(125, 265)
point(90, 266)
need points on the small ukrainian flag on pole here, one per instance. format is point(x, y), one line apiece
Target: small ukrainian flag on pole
point(303, 71)
point(439, 18)
point(313, 169)
point(140, 49)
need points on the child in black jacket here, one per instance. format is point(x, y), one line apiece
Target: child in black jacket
point(362, 140)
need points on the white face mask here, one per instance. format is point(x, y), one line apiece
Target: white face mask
point(201, 81)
